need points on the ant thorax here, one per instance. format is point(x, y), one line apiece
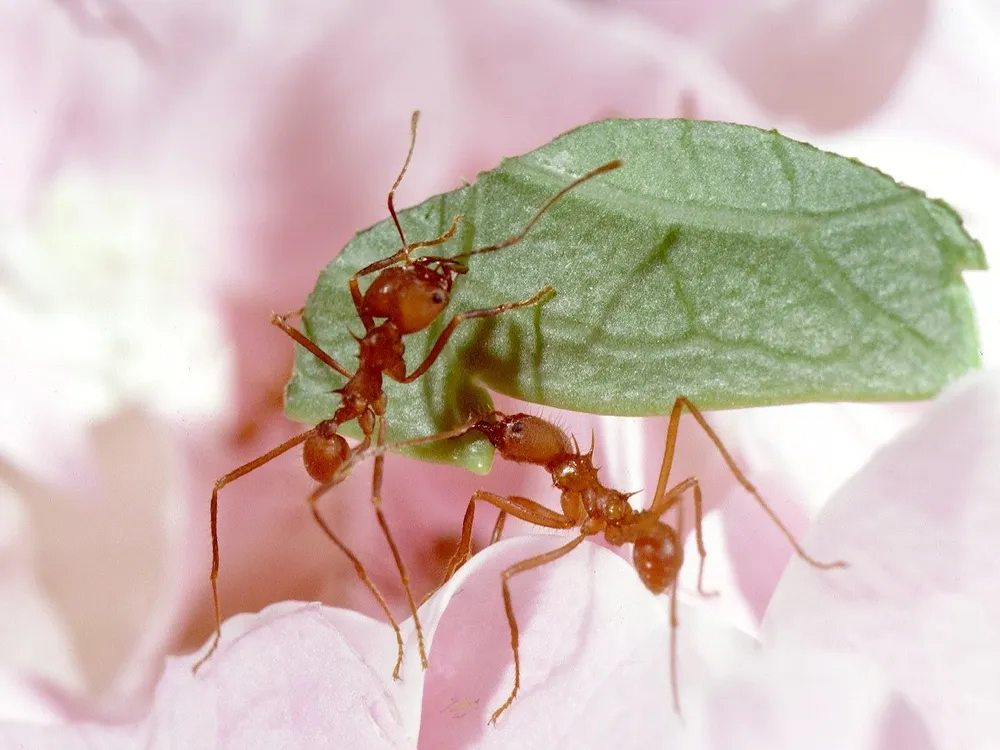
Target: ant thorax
point(583, 493)
point(382, 349)
point(574, 473)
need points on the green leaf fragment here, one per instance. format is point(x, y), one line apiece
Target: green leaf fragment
point(728, 264)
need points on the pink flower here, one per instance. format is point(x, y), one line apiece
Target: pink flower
point(213, 178)
point(895, 651)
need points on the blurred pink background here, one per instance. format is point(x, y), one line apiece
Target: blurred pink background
point(173, 172)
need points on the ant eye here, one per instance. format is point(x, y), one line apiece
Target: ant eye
point(517, 427)
point(437, 298)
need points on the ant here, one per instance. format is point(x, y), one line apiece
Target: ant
point(657, 548)
point(410, 293)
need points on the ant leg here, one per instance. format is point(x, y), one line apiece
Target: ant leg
point(531, 562)
point(306, 343)
point(464, 549)
point(674, 621)
point(519, 507)
point(440, 240)
point(403, 576)
point(675, 686)
point(313, 500)
point(458, 559)
point(699, 541)
point(668, 455)
point(489, 312)
point(214, 524)
point(369, 584)
point(498, 528)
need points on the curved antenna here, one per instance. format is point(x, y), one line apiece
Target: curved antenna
point(414, 118)
point(545, 207)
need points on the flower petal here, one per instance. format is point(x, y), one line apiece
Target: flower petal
point(290, 679)
point(918, 527)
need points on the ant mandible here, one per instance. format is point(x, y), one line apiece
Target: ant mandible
point(657, 552)
point(410, 294)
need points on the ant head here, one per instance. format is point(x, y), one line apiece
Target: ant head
point(410, 295)
point(657, 557)
point(525, 438)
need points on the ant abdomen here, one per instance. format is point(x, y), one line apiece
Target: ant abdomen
point(323, 455)
point(658, 558)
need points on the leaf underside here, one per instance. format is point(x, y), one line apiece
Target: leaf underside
point(722, 262)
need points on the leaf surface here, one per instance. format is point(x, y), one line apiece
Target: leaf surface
point(722, 262)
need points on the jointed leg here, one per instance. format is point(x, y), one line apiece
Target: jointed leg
point(306, 343)
point(519, 507)
point(674, 622)
point(403, 576)
point(312, 500)
point(368, 582)
point(498, 527)
point(214, 523)
point(532, 562)
point(668, 456)
point(489, 312)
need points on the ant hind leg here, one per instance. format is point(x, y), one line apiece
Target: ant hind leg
point(682, 403)
point(377, 473)
point(214, 524)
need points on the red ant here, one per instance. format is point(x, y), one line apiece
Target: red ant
point(410, 294)
point(657, 551)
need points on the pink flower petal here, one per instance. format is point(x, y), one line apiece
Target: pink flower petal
point(93, 583)
point(578, 646)
point(921, 599)
point(949, 88)
point(795, 476)
point(789, 698)
point(824, 64)
point(291, 679)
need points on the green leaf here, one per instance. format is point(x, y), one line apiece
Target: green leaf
point(725, 263)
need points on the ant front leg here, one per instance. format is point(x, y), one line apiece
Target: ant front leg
point(519, 507)
point(680, 404)
point(531, 562)
point(306, 343)
point(488, 312)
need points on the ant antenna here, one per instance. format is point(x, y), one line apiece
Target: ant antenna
point(545, 207)
point(414, 119)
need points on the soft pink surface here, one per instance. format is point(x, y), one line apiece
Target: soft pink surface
point(895, 651)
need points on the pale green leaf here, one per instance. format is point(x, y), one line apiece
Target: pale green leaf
point(725, 263)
